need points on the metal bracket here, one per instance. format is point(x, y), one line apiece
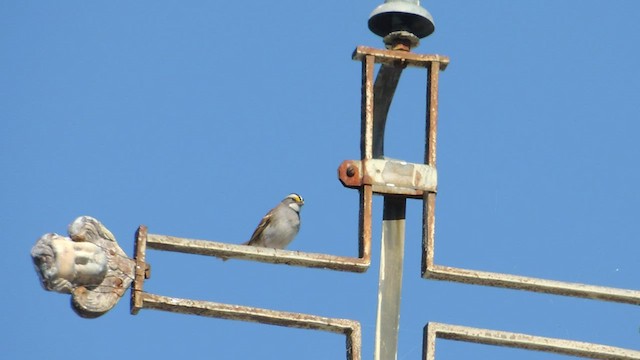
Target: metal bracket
point(389, 176)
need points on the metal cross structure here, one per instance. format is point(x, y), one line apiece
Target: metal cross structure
point(401, 23)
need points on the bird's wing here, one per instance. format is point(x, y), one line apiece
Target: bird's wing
point(257, 233)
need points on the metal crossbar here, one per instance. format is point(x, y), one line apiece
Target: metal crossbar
point(260, 254)
point(521, 341)
point(349, 328)
point(276, 256)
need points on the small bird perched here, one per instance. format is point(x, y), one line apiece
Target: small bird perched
point(281, 224)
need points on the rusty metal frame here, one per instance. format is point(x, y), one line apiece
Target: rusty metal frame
point(354, 173)
point(520, 341)
point(438, 272)
point(430, 270)
point(396, 180)
point(402, 180)
point(408, 180)
point(142, 300)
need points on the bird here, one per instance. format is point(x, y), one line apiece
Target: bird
point(279, 226)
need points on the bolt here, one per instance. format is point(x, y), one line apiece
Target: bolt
point(147, 271)
point(401, 40)
point(351, 171)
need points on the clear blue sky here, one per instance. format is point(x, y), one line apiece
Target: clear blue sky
point(196, 117)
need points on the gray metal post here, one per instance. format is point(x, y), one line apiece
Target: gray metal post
point(390, 285)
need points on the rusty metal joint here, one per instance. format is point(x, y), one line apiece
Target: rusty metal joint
point(390, 177)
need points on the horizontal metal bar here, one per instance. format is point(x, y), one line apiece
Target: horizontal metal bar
point(267, 255)
point(396, 57)
point(246, 313)
point(430, 270)
point(509, 281)
point(520, 341)
point(350, 328)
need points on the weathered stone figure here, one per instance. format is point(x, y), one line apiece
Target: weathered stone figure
point(88, 264)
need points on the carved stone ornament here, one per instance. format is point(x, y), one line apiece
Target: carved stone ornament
point(88, 264)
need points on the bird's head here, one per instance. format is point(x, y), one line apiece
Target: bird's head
point(294, 201)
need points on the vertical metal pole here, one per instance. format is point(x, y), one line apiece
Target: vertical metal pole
point(429, 203)
point(432, 112)
point(390, 287)
point(366, 152)
point(366, 140)
point(141, 269)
